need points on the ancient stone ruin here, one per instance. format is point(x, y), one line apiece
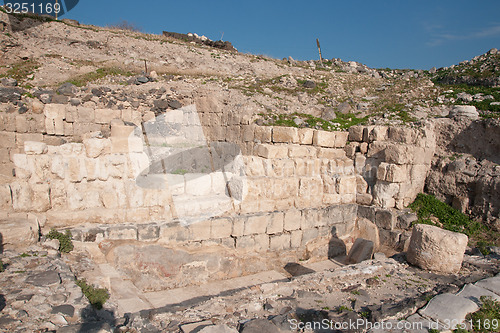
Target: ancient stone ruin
point(216, 191)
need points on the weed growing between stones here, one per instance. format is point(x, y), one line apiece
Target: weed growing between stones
point(96, 296)
point(486, 319)
point(426, 206)
point(428, 209)
point(100, 73)
point(1, 266)
point(65, 242)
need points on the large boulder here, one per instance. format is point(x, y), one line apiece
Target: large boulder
point(432, 248)
point(464, 111)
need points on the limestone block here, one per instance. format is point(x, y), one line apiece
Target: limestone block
point(350, 149)
point(296, 239)
point(238, 226)
point(95, 147)
point(263, 134)
point(122, 233)
point(275, 225)
point(306, 136)
point(200, 230)
point(256, 224)
point(285, 134)
point(261, 243)
point(359, 162)
point(124, 145)
point(247, 133)
point(384, 193)
point(22, 196)
point(309, 235)
point(238, 187)
point(138, 163)
point(324, 139)
point(7, 140)
point(356, 133)
point(363, 147)
point(435, 249)
point(272, 151)
point(109, 200)
point(361, 250)
point(245, 242)
point(22, 124)
point(365, 199)
point(402, 135)
point(399, 154)
point(385, 219)
point(104, 116)
point(293, 220)
point(347, 185)
point(54, 118)
point(397, 173)
point(18, 233)
point(76, 169)
point(5, 197)
point(280, 242)
point(41, 197)
point(254, 166)
point(71, 115)
point(68, 129)
point(377, 149)
point(300, 151)
point(148, 232)
point(120, 130)
point(366, 229)
point(378, 133)
point(22, 166)
point(221, 228)
point(332, 198)
point(361, 184)
point(341, 139)
point(331, 154)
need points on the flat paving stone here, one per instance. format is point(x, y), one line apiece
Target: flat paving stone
point(179, 295)
point(65, 309)
point(218, 329)
point(448, 308)
point(474, 293)
point(42, 279)
point(492, 284)
point(132, 305)
point(195, 327)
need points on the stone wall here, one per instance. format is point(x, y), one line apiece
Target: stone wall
point(392, 163)
point(237, 196)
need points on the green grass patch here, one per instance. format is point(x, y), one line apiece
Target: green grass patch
point(96, 296)
point(484, 105)
point(100, 73)
point(22, 69)
point(65, 242)
point(341, 122)
point(426, 206)
point(486, 319)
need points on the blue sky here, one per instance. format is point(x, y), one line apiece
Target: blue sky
point(384, 33)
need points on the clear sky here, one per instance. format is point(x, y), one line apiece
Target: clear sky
point(416, 34)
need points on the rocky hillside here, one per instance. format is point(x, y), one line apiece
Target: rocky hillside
point(482, 70)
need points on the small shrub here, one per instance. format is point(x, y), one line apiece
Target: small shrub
point(96, 296)
point(451, 219)
point(1, 266)
point(487, 318)
point(65, 242)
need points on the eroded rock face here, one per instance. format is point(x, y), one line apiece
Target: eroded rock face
point(435, 249)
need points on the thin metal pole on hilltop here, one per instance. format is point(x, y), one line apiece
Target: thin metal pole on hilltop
point(56, 6)
point(319, 49)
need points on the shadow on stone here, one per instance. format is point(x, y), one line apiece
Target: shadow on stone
point(2, 302)
point(336, 246)
point(295, 269)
